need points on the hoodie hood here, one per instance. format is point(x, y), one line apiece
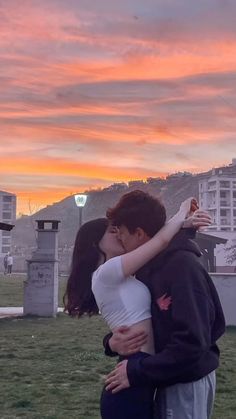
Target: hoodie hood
point(183, 240)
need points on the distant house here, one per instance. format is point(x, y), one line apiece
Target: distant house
point(155, 180)
point(136, 183)
point(178, 175)
point(117, 187)
point(207, 244)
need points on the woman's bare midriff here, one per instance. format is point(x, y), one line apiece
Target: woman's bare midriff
point(146, 326)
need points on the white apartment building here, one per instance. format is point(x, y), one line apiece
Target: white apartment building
point(7, 215)
point(217, 194)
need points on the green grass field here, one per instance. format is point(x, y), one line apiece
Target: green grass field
point(12, 287)
point(54, 368)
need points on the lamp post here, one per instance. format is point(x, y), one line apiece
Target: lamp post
point(80, 201)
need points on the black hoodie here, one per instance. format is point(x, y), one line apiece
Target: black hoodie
point(187, 317)
point(186, 314)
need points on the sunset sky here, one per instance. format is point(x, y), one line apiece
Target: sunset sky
point(101, 91)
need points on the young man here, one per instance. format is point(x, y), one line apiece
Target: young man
point(186, 313)
point(5, 263)
point(9, 263)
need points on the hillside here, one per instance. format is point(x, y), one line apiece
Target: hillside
point(172, 191)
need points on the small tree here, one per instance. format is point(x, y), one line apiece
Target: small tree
point(32, 210)
point(231, 253)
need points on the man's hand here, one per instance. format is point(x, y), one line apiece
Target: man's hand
point(125, 342)
point(117, 379)
point(198, 219)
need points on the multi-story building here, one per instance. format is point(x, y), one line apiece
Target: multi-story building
point(7, 215)
point(217, 194)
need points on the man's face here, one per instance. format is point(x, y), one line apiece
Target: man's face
point(131, 241)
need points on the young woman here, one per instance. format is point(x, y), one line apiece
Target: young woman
point(102, 278)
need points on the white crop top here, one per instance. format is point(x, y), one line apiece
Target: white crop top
point(121, 301)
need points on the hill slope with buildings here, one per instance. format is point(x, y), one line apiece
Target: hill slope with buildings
point(214, 189)
point(172, 192)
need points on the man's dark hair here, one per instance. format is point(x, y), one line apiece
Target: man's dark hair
point(138, 209)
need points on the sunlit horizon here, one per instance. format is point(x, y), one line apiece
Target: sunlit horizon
point(30, 203)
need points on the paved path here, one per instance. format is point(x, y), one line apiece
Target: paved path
point(15, 311)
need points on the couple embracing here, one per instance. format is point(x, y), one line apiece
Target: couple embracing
point(145, 277)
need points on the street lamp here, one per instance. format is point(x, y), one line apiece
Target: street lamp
point(80, 201)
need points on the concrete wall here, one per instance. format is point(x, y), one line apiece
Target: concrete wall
point(226, 288)
point(225, 284)
point(20, 265)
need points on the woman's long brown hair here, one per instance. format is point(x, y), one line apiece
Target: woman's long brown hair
point(78, 298)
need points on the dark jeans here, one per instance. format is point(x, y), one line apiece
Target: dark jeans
point(131, 403)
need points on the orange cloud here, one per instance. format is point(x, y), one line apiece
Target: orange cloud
point(60, 167)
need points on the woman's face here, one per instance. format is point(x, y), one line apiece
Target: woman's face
point(110, 243)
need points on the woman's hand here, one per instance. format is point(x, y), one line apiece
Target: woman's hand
point(199, 218)
point(189, 206)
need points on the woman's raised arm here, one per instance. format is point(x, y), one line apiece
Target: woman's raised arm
point(134, 260)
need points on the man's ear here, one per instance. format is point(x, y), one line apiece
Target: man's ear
point(141, 235)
